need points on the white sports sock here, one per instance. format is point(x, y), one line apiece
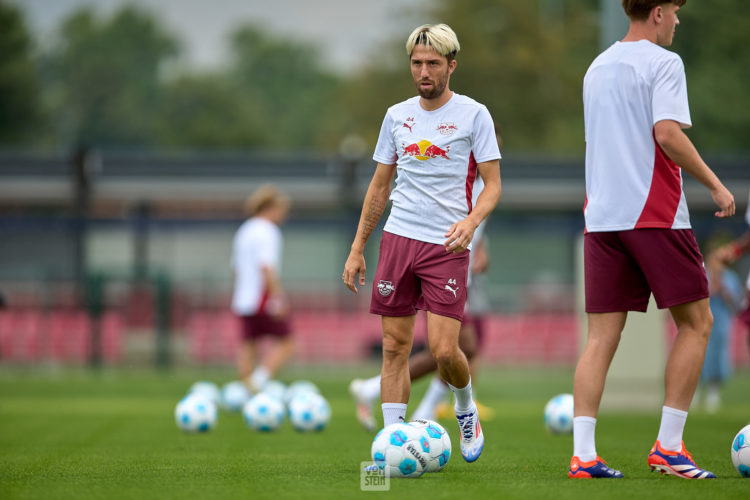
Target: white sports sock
point(464, 401)
point(370, 389)
point(393, 413)
point(259, 377)
point(435, 393)
point(584, 444)
point(670, 430)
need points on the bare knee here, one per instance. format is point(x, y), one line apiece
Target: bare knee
point(395, 349)
point(444, 354)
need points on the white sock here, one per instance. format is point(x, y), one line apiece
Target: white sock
point(435, 393)
point(584, 444)
point(370, 389)
point(464, 401)
point(393, 413)
point(259, 377)
point(670, 430)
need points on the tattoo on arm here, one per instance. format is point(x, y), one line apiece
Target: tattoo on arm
point(371, 214)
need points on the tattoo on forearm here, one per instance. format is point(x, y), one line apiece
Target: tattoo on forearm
point(371, 214)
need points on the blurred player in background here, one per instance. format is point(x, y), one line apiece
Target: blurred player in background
point(437, 142)
point(259, 299)
point(729, 254)
point(638, 237)
point(726, 298)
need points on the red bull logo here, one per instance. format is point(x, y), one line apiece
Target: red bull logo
point(424, 150)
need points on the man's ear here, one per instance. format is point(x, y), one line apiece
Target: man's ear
point(658, 13)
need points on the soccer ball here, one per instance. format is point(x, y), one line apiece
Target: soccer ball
point(741, 451)
point(401, 450)
point(195, 413)
point(275, 389)
point(309, 411)
point(299, 387)
point(440, 443)
point(558, 414)
point(208, 389)
point(234, 395)
point(263, 413)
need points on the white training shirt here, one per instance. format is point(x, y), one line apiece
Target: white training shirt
point(630, 182)
point(436, 155)
point(257, 244)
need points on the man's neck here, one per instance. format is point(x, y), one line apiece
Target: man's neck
point(436, 103)
point(640, 31)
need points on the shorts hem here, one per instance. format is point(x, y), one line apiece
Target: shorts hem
point(682, 300)
point(605, 309)
point(395, 314)
point(448, 314)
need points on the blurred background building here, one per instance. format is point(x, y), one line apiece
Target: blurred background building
point(132, 131)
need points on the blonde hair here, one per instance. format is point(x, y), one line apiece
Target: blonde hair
point(438, 36)
point(264, 197)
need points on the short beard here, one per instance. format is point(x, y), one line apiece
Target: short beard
point(435, 92)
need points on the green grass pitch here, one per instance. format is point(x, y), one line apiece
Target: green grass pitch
point(79, 434)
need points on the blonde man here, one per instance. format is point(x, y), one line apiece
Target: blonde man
point(435, 144)
point(259, 299)
point(638, 237)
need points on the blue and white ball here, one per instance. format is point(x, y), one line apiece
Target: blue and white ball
point(234, 395)
point(558, 414)
point(195, 413)
point(309, 411)
point(207, 389)
point(263, 413)
point(440, 443)
point(274, 388)
point(299, 387)
point(401, 450)
point(741, 451)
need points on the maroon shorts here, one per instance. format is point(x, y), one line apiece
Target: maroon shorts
point(415, 275)
point(623, 268)
point(477, 323)
point(259, 325)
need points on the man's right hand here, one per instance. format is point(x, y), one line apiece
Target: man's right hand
point(354, 269)
point(725, 201)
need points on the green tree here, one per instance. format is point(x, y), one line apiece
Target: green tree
point(288, 87)
point(209, 112)
point(18, 88)
point(105, 84)
point(712, 39)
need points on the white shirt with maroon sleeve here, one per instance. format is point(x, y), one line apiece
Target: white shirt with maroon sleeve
point(630, 182)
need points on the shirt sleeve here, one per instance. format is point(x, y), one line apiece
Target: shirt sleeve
point(385, 151)
point(484, 141)
point(670, 99)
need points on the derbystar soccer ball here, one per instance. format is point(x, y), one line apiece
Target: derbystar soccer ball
point(263, 413)
point(741, 451)
point(299, 387)
point(275, 389)
point(401, 450)
point(195, 413)
point(309, 411)
point(208, 389)
point(558, 414)
point(440, 443)
point(234, 395)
